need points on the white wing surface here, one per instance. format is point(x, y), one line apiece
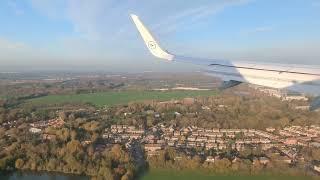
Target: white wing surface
point(300, 78)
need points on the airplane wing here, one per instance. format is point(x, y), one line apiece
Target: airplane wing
point(299, 78)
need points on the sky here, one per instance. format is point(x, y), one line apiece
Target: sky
point(99, 35)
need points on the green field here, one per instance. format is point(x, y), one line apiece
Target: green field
point(171, 175)
point(115, 98)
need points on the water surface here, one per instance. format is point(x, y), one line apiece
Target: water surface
point(39, 176)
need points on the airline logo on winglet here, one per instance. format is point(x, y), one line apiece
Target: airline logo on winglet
point(150, 41)
point(152, 45)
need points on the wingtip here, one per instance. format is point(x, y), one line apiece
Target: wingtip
point(149, 40)
point(133, 16)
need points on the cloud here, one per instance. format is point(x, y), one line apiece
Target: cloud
point(256, 30)
point(11, 52)
point(89, 17)
point(96, 19)
point(10, 49)
point(9, 45)
point(263, 29)
point(315, 3)
point(14, 6)
point(195, 14)
point(54, 9)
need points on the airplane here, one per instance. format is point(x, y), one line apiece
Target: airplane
point(298, 78)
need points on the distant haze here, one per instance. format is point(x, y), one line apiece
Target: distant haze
point(99, 35)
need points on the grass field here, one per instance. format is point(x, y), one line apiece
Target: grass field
point(115, 98)
point(171, 175)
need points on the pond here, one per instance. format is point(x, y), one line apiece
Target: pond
point(39, 176)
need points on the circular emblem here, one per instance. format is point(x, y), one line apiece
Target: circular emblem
point(152, 45)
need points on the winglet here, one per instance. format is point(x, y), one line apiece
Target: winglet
point(150, 41)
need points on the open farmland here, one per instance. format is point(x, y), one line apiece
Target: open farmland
point(115, 98)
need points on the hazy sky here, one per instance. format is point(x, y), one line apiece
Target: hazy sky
point(98, 34)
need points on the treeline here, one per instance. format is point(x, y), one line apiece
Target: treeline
point(38, 88)
point(226, 111)
point(225, 164)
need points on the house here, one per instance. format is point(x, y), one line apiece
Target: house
point(191, 138)
point(285, 133)
point(304, 108)
point(175, 138)
point(316, 168)
point(150, 112)
point(106, 135)
point(35, 130)
point(220, 140)
point(171, 143)
point(211, 146)
point(176, 133)
point(200, 144)
point(39, 124)
point(48, 136)
point(248, 134)
point(206, 108)
point(315, 144)
point(85, 143)
point(284, 159)
point(222, 146)
point(230, 135)
point(135, 136)
point(153, 147)
point(295, 97)
point(56, 123)
point(191, 144)
point(264, 160)
point(178, 158)
point(188, 101)
point(210, 159)
point(211, 140)
point(127, 113)
point(135, 131)
point(215, 130)
point(202, 139)
point(267, 146)
point(222, 106)
point(291, 141)
point(236, 159)
point(270, 129)
point(239, 147)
